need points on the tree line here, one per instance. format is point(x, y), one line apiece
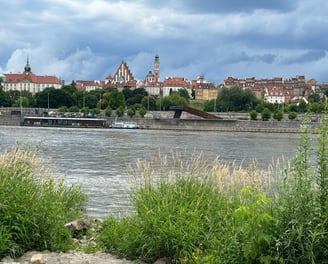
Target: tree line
point(234, 99)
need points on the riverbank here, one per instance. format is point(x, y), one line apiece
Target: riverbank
point(164, 120)
point(46, 257)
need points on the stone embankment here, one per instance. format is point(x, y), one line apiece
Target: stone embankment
point(228, 122)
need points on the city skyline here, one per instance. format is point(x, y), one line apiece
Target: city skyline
point(88, 39)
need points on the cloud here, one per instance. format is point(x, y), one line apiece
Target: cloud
point(305, 57)
point(87, 39)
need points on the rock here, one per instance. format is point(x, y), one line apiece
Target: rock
point(77, 225)
point(37, 259)
point(162, 261)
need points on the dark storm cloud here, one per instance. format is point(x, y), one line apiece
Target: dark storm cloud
point(221, 6)
point(310, 56)
point(87, 39)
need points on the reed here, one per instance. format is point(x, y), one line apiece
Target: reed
point(193, 211)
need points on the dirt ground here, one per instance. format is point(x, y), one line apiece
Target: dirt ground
point(67, 258)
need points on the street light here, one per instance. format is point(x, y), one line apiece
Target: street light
point(48, 101)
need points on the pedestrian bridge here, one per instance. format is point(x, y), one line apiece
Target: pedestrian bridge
point(180, 108)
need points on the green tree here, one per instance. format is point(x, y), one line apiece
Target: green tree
point(184, 93)
point(142, 111)
point(266, 114)
point(91, 100)
point(303, 106)
point(149, 102)
point(108, 111)
point(5, 99)
point(131, 112)
point(73, 109)
point(253, 115)
point(292, 115)
point(120, 111)
point(211, 106)
point(315, 107)
point(293, 108)
point(53, 98)
point(116, 100)
point(193, 94)
point(278, 115)
point(22, 101)
point(314, 98)
point(84, 111)
point(62, 109)
point(134, 97)
point(171, 100)
point(235, 99)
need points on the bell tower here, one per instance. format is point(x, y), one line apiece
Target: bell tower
point(156, 69)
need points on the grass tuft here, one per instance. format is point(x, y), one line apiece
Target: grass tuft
point(34, 207)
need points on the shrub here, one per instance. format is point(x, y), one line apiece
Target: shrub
point(292, 115)
point(253, 115)
point(278, 115)
point(131, 112)
point(302, 211)
point(120, 111)
point(142, 111)
point(266, 114)
point(108, 111)
point(62, 109)
point(73, 109)
point(34, 206)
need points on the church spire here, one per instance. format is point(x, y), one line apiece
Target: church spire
point(27, 68)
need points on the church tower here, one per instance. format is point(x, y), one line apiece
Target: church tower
point(27, 68)
point(156, 69)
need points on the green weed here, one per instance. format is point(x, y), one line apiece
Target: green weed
point(34, 206)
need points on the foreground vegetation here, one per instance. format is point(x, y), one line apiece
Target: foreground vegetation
point(192, 212)
point(34, 207)
point(188, 210)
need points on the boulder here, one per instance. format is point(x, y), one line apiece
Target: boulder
point(37, 259)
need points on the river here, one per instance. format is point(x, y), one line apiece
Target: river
point(97, 159)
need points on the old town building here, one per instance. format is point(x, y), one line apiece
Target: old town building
point(28, 81)
point(204, 90)
point(174, 84)
point(275, 90)
point(123, 77)
point(89, 85)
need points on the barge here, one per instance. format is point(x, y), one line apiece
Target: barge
point(64, 122)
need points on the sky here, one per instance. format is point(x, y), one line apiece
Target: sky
point(88, 39)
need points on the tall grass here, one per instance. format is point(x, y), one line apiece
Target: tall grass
point(302, 205)
point(34, 206)
point(195, 211)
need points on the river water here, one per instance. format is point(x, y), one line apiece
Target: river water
point(97, 159)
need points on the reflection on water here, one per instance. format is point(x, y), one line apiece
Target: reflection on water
point(97, 159)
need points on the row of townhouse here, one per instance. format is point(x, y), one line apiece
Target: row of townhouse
point(275, 90)
point(123, 78)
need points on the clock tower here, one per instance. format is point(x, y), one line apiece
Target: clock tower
point(156, 69)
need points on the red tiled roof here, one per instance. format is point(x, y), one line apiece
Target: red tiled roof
point(31, 77)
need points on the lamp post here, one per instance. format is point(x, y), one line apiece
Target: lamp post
point(148, 101)
point(214, 105)
point(48, 102)
point(20, 103)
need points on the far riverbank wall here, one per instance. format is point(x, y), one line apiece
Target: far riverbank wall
point(234, 122)
point(226, 125)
